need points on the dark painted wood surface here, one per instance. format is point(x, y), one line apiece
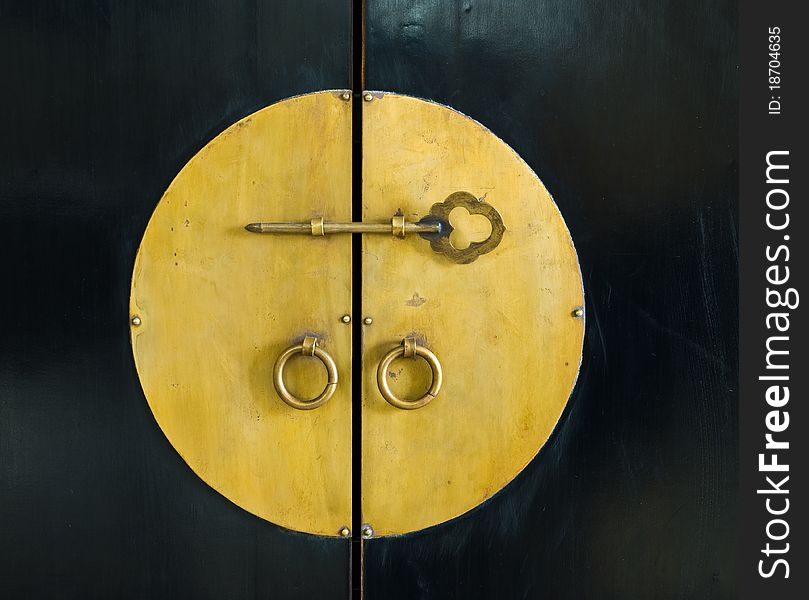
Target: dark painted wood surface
point(628, 113)
point(101, 105)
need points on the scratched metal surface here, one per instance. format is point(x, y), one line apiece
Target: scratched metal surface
point(628, 113)
point(102, 104)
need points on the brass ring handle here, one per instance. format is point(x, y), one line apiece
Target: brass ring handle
point(409, 349)
point(308, 347)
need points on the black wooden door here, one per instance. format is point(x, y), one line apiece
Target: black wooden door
point(102, 104)
point(628, 113)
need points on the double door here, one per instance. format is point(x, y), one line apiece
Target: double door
point(149, 134)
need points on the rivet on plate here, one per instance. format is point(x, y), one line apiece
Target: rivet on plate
point(345, 532)
point(367, 96)
point(346, 318)
point(578, 312)
point(136, 321)
point(367, 531)
point(368, 320)
point(346, 96)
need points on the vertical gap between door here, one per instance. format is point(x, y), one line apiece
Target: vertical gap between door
point(357, 84)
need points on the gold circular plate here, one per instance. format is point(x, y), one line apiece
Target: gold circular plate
point(502, 325)
point(218, 305)
point(213, 306)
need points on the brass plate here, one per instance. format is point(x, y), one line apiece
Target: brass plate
point(502, 326)
point(218, 305)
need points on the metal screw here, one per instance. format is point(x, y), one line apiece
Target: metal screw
point(367, 531)
point(136, 321)
point(345, 532)
point(368, 320)
point(346, 96)
point(578, 312)
point(346, 318)
point(367, 96)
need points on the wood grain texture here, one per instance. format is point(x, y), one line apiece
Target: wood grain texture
point(218, 305)
point(501, 326)
point(628, 113)
point(104, 102)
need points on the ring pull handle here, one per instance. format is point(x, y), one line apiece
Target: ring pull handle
point(409, 348)
point(308, 347)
